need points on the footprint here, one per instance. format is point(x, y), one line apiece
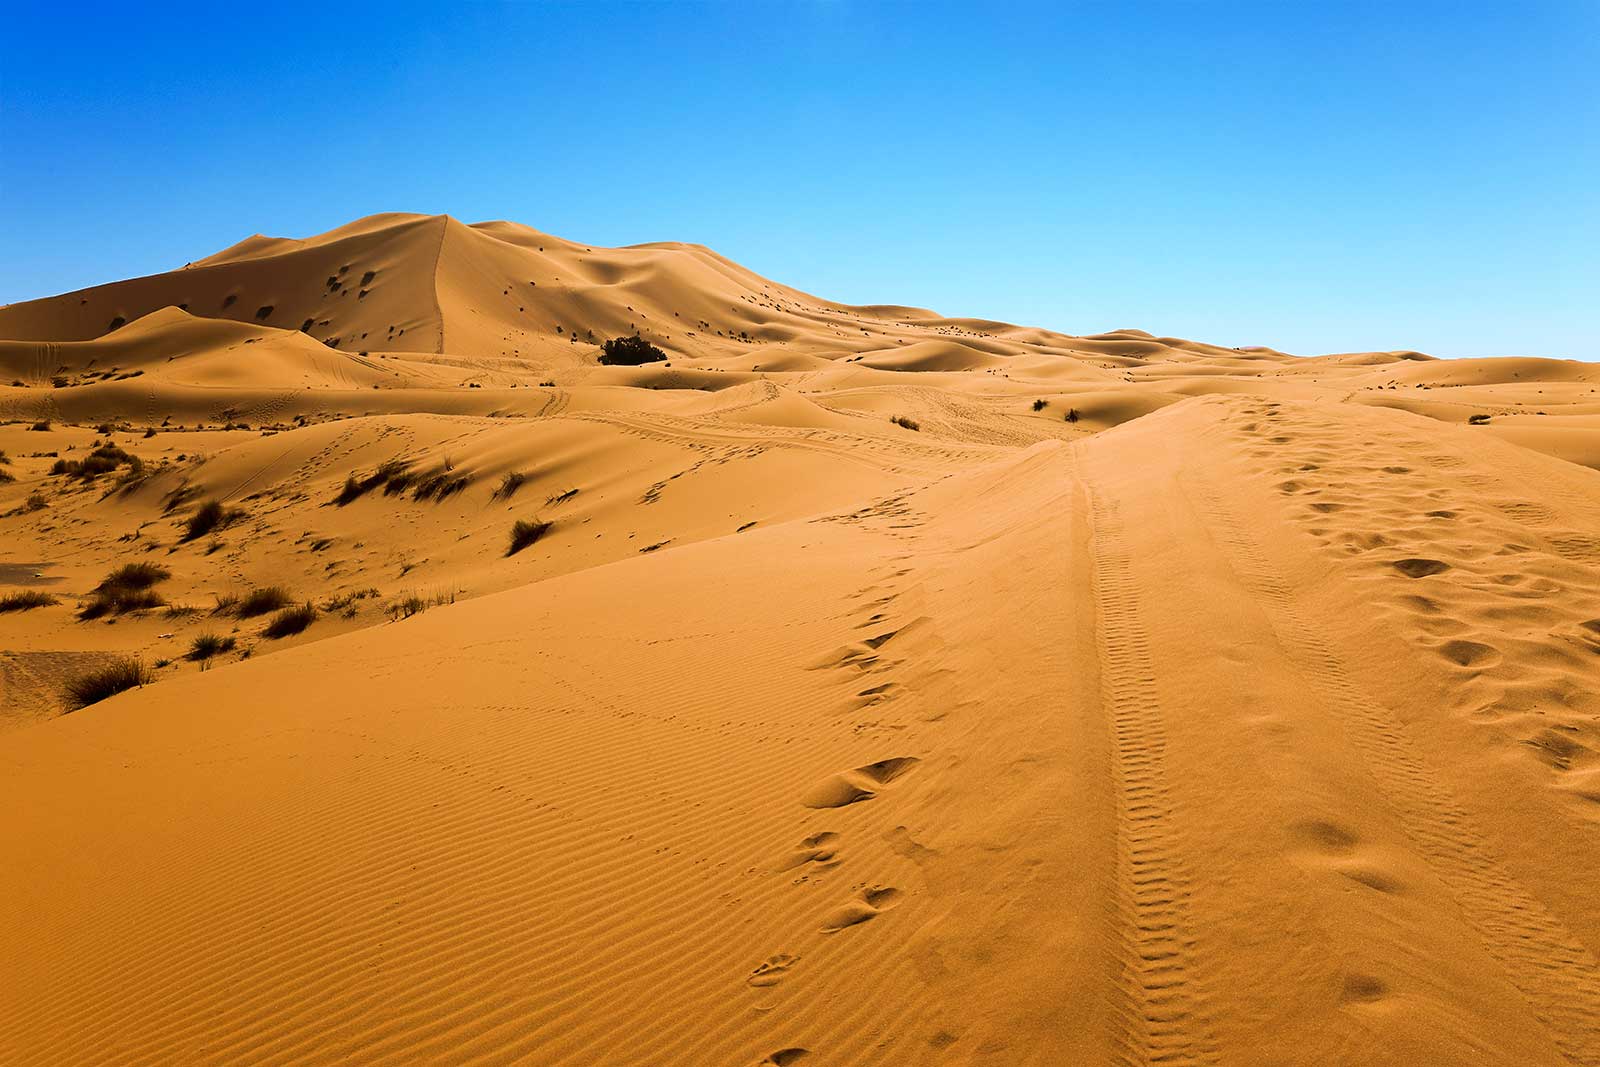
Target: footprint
point(1327, 507)
point(871, 903)
point(1397, 470)
point(1327, 837)
point(1469, 653)
point(863, 783)
point(785, 1056)
point(1420, 568)
point(818, 848)
point(1363, 989)
point(772, 971)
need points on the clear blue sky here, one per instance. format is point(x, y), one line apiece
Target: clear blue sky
point(1314, 177)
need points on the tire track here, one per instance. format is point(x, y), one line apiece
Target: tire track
point(1161, 1021)
point(1556, 975)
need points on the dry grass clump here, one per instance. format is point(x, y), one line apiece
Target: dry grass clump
point(208, 645)
point(26, 600)
point(108, 681)
point(439, 484)
point(510, 482)
point(128, 588)
point(290, 621)
point(910, 424)
point(355, 488)
point(210, 516)
point(260, 601)
point(524, 533)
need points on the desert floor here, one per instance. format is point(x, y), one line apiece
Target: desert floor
point(885, 688)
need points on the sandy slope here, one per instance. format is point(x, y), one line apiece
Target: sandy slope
point(1249, 717)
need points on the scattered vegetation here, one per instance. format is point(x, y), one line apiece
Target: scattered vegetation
point(26, 600)
point(1040, 405)
point(103, 459)
point(108, 681)
point(630, 352)
point(910, 424)
point(524, 533)
point(1072, 415)
point(130, 587)
point(208, 645)
point(290, 621)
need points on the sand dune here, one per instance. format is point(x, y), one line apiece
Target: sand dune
point(885, 688)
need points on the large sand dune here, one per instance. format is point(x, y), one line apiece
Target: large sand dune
point(1127, 700)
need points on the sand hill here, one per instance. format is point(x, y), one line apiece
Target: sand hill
point(854, 686)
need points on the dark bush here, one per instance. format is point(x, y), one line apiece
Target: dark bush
point(42, 424)
point(106, 682)
point(525, 533)
point(1072, 415)
point(102, 460)
point(1040, 405)
point(290, 621)
point(630, 352)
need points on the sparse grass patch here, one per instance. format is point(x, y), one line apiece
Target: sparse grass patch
point(525, 532)
point(290, 621)
point(26, 600)
point(108, 681)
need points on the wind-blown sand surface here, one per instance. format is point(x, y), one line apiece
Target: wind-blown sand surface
point(1151, 702)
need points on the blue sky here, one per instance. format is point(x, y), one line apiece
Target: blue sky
point(1313, 177)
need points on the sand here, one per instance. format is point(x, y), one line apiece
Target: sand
point(1149, 702)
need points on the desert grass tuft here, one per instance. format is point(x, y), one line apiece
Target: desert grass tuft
point(525, 532)
point(290, 621)
point(26, 600)
point(108, 681)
